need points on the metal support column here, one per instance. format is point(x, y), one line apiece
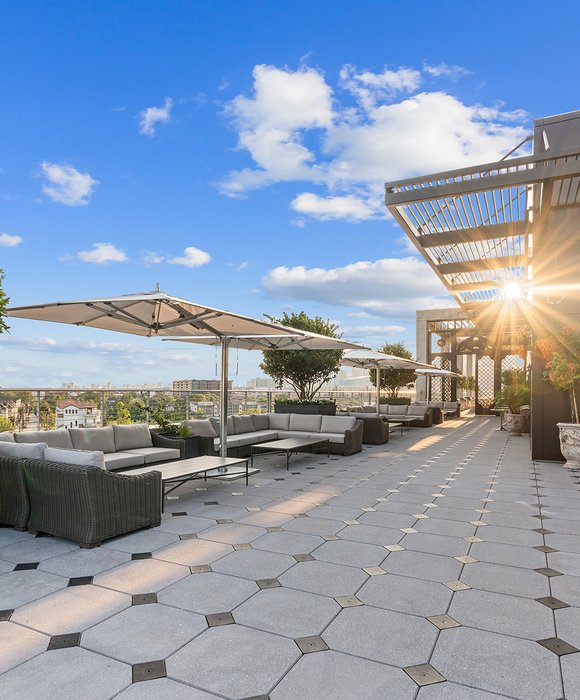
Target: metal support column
point(224, 398)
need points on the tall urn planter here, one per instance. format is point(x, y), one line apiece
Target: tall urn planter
point(570, 444)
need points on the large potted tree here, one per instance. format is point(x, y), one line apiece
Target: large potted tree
point(561, 355)
point(513, 396)
point(306, 371)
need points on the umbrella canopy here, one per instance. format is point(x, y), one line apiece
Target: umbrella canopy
point(437, 372)
point(159, 314)
point(369, 359)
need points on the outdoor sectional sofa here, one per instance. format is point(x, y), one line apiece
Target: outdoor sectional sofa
point(344, 433)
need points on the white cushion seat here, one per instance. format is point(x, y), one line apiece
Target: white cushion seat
point(155, 454)
point(248, 438)
point(121, 460)
point(79, 458)
point(336, 438)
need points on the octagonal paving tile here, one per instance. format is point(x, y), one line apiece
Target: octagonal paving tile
point(566, 588)
point(505, 614)
point(159, 629)
point(10, 536)
point(408, 595)
point(288, 542)
point(185, 524)
point(193, 552)
point(314, 526)
point(351, 553)
point(36, 549)
point(450, 528)
point(388, 519)
point(289, 506)
point(435, 544)
point(571, 675)
point(512, 536)
point(142, 576)
point(508, 554)
point(234, 661)
point(506, 579)
point(218, 512)
point(499, 664)
point(6, 566)
point(267, 519)
point(84, 562)
point(454, 691)
point(564, 543)
point(163, 689)
point(21, 587)
point(66, 673)
point(330, 674)
point(332, 580)
point(19, 644)
point(568, 625)
point(331, 512)
point(566, 562)
point(147, 540)
point(254, 564)
point(72, 609)
point(390, 637)
point(232, 533)
point(288, 612)
point(208, 593)
point(425, 566)
point(370, 534)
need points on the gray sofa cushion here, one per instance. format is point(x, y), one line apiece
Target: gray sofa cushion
point(53, 438)
point(383, 409)
point(334, 438)
point(369, 409)
point(249, 438)
point(417, 410)
point(7, 436)
point(23, 450)
point(151, 455)
point(81, 458)
point(243, 424)
point(216, 424)
point(450, 405)
point(121, 460)
point(398, 409)
point(97, 439)
point(203, 428)
point(278, 421)
point(337, 424)
point(128, 437)
point(260, 421)
point(308, 423)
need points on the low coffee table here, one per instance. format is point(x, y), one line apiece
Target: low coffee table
point(288, 446)
point(175, 474)
point(402, 421)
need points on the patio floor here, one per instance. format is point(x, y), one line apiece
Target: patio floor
point(444, 565)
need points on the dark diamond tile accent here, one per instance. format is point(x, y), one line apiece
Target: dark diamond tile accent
point(143, 598)
point(42, 534)
point(543, 531)
point(224, 521)
point(443, 622)
point(547, 550)
point(5, 615)
point(243, 545)
point(26, 566)
point(310, 467)
point(295, 473)
point(210, 503)
point(258, 697)
point(303, 557)
point(274, 529)
point(80, 581)
point(64, 641)
point(423, 674)
point(268, 583)
point(309, 645)
point(181, 512)
point(141, 555)
point(280, 478)
point(201, 569)
point(547, 571)
point(348, 601)
point(558, 646)
point(542, 517)
point(148, 671)
point(552, 603)
point(219, 619)
point(188, 536)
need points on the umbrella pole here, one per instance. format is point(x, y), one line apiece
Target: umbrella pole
point(378, 378)
point(224, 398)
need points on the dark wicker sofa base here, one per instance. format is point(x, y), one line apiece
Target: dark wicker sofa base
point(14, 501)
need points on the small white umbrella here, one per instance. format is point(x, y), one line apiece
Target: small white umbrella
point(435, 372)
point(369, 359)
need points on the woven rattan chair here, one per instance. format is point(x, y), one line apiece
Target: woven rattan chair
point(14, 502)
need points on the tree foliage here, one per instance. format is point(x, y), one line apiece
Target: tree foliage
point(305, 370)
point(122, 415)
point(393, 380)
point(6, 424)
point(4, 301)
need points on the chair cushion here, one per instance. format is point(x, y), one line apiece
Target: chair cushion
point(156, 454)
point(98, 439)
point(337, 424)
point(335, 438)
point(260, 421)
point(243, 424)
point(398, 409)
point(278, 421)
point(128, 437)
point(24, 450)
point(82, 458)
point(7, 436)
point(417, 410)
point(383, 409)
point(203, 428)
point(120, 460)
point(370, 409)
point(309, 423)
point(249, 438)
point(450, 405)
point(53, 438)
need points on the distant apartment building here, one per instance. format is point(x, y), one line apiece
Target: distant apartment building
point(198, 385)
point(77, 414)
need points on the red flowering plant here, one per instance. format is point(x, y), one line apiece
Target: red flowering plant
point(561, 355)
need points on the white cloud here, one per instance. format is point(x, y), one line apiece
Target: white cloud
point(347, 207)
point(387, 287)
point(370, 331)
point(295, 129)
point(151, 117)
point(7, 241)
point(66, 185)
point(150, 258)
point(102, 253)
point(192, 257)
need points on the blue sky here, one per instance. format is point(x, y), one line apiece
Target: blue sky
point(235, 152)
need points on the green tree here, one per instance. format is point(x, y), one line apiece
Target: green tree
point(47, 414)
point(305, 370)
point(393, 380)
point(122, 415)
point(6, 424)
point(4, 301)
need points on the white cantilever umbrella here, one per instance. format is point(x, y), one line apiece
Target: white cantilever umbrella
point(369, 359)
point(159, 314)
point(435, 372)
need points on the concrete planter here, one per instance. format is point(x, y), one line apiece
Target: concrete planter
point(306, 409)
point(570, 444)
point(515, 423)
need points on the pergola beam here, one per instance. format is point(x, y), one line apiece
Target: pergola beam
point(472, 235)
point(483, 264)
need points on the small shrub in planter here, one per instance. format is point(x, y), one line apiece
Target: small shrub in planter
point(399, 401)
point(322, 407)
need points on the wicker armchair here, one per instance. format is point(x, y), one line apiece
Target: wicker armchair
point(87, 504)
point(14, 503)
point(376, 430)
